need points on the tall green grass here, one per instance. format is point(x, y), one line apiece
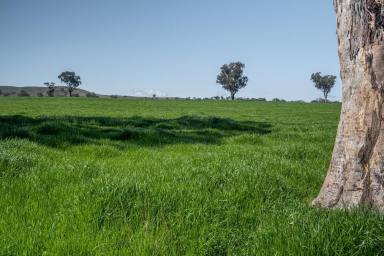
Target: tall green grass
point(156, 177)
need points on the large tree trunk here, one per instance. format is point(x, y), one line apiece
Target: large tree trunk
point(356, 173)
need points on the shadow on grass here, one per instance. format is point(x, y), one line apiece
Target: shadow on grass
point(72, 130)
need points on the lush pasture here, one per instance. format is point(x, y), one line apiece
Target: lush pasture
point(158, 177)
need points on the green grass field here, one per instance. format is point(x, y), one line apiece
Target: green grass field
point(157, 177)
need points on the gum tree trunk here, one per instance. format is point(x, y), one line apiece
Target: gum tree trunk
point(356, 173)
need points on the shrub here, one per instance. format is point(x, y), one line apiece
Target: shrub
point(40, 94)
point(319, 100)
point(278, 100)
point(23, 93)
point(91, 95)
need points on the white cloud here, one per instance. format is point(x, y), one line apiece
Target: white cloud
point(147, 93)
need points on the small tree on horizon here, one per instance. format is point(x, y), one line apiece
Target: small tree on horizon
point(231, 77)
point(71, 80)
point(23, 93)
point(51, 88)
point(323, 83)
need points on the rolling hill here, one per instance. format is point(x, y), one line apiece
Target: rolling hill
point(40, 91)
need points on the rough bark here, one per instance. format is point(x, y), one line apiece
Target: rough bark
point(356, 173)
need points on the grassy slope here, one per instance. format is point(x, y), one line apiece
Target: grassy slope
point(170, 178)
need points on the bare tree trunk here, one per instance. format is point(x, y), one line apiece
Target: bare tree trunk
point(232, 96)
point(356, 173)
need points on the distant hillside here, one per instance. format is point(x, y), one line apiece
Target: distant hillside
point(40, 91)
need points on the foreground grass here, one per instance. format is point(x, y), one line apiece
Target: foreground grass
point(148, 177)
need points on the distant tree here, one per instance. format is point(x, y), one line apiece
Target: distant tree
point(23, 93)
point(154, 96)
point(231, 77)
point(51, 88)
point(319, 100)
point(71, 80)
point(323, 83)
point(1, 92)
point(91, 95)
point(40, 94)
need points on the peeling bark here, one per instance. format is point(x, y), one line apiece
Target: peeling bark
point(356, 173)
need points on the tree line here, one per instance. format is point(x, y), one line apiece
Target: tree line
point(231, 78)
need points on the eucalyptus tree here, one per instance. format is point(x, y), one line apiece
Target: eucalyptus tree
point(324, 83)
point(71, 80)
point(231, 77)
point(51, 88)
point(356, 172)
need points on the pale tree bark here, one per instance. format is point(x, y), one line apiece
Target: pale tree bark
point(326, 96)
point(356, 173)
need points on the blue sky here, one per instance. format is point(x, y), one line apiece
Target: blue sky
point(175, 47)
